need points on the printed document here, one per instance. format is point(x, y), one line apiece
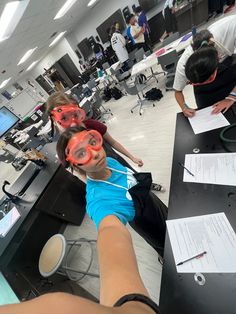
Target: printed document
point(194, 235)
point(211, 168)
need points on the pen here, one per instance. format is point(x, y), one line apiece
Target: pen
point(191, 258)
point(189, 172)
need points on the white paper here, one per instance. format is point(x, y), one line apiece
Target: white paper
point(204, 121)
point(210, 233)
point(211, 168)
point(8, 221)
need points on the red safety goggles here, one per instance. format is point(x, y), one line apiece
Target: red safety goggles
point(68, 115)
point(80, 147)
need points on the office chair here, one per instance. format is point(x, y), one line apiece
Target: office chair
point(119, 75)
point(78, 91)
point(87, 107)
point(168, 62)
point(170, 39)
point(97, 106)
point(139, 54)
point(92, 84)
point(136, 89)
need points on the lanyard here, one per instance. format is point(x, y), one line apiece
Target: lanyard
point(116, 185)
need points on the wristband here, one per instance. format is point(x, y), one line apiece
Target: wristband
point(233, 94)
point(230, 98)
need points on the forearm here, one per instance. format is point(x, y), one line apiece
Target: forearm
point(62, 303)
point(179, 96)
point(117, 262)
point(121, 149)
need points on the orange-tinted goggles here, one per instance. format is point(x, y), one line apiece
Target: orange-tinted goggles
point(68, 115)
point(80, 147)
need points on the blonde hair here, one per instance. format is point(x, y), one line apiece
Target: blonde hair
point(59, 99)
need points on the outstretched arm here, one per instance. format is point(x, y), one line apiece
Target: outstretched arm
point(121, 149)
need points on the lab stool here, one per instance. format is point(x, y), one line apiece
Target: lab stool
point(54, 257)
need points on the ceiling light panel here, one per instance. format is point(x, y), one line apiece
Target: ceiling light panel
point(11, 15)
point(57, 39)
point(64, 9)
point(4, 83)
point(32, 65)
point(27, 55)
point(91, 2)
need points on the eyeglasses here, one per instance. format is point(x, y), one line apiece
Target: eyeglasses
point(80, 147)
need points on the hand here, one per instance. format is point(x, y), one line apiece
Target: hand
point(224, 105)
point(188, 112)
point(137, 161)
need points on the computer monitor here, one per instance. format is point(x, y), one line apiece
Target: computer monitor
point(7, 120)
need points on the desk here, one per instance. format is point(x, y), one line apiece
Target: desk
point(52, 199)
point(179, 292)
point(152, 60)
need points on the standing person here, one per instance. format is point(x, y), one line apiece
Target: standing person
point(113, 189)
point(169, 17)
point(118, 44)
point(142, 22)
point(137, 33)
point(128, 32)
point(121, 288)
point(222, 35)
point(64, 112)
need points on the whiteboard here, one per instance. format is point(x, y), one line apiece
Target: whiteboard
point(21, 104)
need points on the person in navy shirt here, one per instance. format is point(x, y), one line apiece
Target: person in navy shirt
point(143, 22)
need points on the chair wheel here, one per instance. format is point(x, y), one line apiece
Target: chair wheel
point(140, 113)
point(153, 105)
point(131, 111)
point(111, 114)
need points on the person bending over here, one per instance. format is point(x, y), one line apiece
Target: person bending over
point(64, 112)
point(113, 189)
point(121, 288)
point(214, 83)
point(221, 35)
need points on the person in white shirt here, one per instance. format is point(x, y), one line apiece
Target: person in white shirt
point(222, 35)
point(118, 44)
point(137, 33)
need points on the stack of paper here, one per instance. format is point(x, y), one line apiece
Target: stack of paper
point(204, 120)
point(210, 233)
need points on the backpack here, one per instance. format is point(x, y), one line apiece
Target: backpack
point(106, 94)
point(153, 94)
point(116, 93)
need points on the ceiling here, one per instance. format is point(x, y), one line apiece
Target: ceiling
point(35, 29)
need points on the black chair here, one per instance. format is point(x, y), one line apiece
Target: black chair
point(168, 62)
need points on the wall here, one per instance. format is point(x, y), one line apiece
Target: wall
point(87, 26)
point(62, 48)
point(34, 89)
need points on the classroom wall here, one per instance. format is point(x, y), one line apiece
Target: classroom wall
point(62, 48)
point(98, 14)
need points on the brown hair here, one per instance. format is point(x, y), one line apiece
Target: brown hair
point(59, 99)
point(55, 100)
point(63, 142)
